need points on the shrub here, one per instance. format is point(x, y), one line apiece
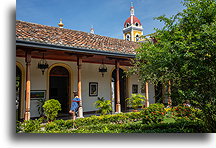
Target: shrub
point(29, 126)
point(87, 121)
point(138, 127)
point(59, 125)
point(119, 118)
point(185, 112)
point(121, 123)
point(177, 127)
point(68, 123)
point(18, 126)
point(51, 126)
point(135, 101)
point(208, 116)
point(153, 114)
point(206, 113)
point(82, 124)
point(103, 105)
point(135, 116)
point(51, 108)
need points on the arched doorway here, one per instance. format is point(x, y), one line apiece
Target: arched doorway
point(18, 92)
point(122, 81)
point(59, 87)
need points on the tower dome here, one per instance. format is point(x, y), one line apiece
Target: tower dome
point(134, 21)
point(132, 27)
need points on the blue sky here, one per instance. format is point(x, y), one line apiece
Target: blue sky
point(106, 16)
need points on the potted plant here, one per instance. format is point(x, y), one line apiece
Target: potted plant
point(135, 101)
point(103, 105)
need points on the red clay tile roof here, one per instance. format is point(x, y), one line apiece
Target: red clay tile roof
point(65, 37)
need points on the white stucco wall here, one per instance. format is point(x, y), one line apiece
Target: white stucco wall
point(135, 80)
point(89, 74)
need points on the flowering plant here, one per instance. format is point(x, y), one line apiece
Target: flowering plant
point(154, 113)
point(184, 112)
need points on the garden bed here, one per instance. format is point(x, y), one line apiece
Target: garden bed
point(154, 119)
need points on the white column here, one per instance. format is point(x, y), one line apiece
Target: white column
point(28, 87)
point(79, 86)
point(118, 105)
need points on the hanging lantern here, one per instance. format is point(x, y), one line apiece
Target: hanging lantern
point(102, 69)
point(42, 64)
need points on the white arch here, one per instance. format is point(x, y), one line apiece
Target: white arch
point(71, 84)
point(22, 95)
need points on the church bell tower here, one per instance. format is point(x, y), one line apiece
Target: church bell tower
point(132, 27)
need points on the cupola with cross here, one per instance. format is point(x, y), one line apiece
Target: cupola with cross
point(132, 27)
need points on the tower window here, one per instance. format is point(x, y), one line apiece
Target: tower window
point(128, 25)
point(136, 24)
point(128, 37)
point(137, 37)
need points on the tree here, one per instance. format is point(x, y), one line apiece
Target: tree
point(185, 55)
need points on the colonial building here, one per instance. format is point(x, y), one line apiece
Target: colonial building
point(52, 62)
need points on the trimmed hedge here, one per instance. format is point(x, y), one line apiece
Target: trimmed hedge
point(105, 119)
point(136, 127)
point(29, 126)
point(121, 123)
point(94, 120)
point(154, 119)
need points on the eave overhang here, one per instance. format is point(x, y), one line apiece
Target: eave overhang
point(71, 49)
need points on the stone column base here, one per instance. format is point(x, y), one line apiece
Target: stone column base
point(147, 103)
point(80, 112)
point(118, 108)
point(27, 115)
